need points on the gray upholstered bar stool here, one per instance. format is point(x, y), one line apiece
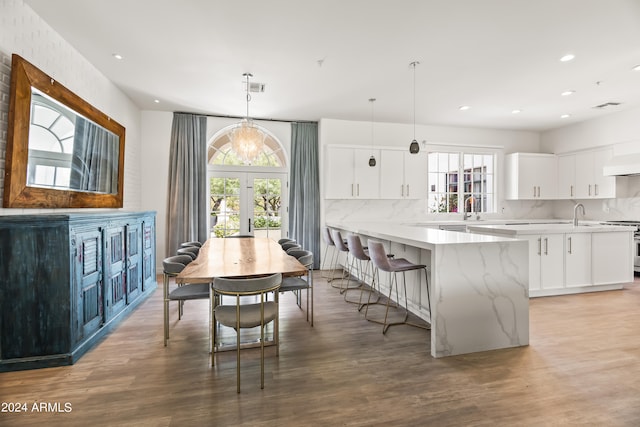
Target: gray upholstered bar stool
point(393, 266)
point(358, 256)
point(342, 247)
point(328, 241)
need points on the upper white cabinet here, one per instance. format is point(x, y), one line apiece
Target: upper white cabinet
point(531, 176)
point(567, 176)
point(402, 175)
point(348, 174)
point(590, 182)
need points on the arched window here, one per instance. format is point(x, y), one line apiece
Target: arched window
point(220, 153)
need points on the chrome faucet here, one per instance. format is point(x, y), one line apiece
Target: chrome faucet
point(575, 213)
point(467, 215)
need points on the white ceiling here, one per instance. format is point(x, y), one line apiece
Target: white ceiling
point(326, 58)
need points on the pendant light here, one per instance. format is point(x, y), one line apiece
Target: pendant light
point(247, 140)
point(372, 159)
point(414, 147)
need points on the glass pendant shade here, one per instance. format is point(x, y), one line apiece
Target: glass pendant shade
point(414, 147)
point(372, 161)
point(247, 141)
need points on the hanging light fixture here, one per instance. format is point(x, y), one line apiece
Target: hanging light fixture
point(247, 140)
point(372, 159)
point(414, 147)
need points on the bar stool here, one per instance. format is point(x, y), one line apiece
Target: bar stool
point(393, 266)
point(358, 255)
point(341, 246)
point(328, 241)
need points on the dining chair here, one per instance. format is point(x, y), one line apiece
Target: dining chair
point(251, 315)
point(191, 251)
point(172, 266)
point(290, 245)
point(190, 244)
point(297, 284)
point(393, 266)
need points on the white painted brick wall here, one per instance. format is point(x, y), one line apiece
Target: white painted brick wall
point(23, 32)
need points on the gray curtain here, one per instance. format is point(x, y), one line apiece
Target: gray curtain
point(304, 188)
point(94, 161)
point(187, 195)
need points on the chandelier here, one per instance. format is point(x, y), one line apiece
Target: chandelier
point(247, 141)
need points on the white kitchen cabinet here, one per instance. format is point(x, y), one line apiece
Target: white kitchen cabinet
point(577, 259)
point(531, 176)
point(590, 182)
point(546, 261)
point(567, 176)
point(348, 174)
point(612, 258)
point(403, 175)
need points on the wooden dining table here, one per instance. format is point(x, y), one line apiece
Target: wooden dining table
point(240, 257)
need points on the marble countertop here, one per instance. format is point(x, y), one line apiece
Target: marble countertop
point(417, 236)
point(523, 229)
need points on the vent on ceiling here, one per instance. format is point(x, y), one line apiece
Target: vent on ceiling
point(255, 87)
point(607, 105)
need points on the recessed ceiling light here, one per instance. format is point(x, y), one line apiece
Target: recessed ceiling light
point(565, 116)
point(636, 68)
point(464, 107)
point(568, 57)
point(157, 101)
point(568, 92)
point(117, 56)
point(516, 111)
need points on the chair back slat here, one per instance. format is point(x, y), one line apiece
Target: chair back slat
point(248, 286)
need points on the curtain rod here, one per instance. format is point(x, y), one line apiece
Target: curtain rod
point(252, 118)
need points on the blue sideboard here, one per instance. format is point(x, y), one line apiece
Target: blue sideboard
point(66, 280)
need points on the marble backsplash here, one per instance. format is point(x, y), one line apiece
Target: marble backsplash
point(625, 207)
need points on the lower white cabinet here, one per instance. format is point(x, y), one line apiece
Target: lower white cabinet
point(546, 261)
point(612, 258)
point(577, 259)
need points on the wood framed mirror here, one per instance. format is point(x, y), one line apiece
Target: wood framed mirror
point(61, 151)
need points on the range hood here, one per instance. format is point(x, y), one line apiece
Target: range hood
point(628, 164)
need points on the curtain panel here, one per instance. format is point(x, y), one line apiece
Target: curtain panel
point(304, 191)
point(187, 192)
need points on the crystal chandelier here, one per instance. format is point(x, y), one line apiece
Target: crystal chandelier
point(247, 141)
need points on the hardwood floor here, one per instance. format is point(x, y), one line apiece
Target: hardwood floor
point(582, 367)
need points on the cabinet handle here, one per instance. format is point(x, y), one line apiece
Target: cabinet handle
point(570, 245)
point(596, 188)
point(546, 246)
point(351, 190)
point(534, 191)
point(539, 245)
point(571, 191)
point(402, 190)
point(358, 190)
point(589, 189)
point(407, 190)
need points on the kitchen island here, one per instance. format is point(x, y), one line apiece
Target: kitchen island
point(568, 259)
point(479, 290)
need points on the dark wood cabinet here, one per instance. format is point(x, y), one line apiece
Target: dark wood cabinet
point(68, 279)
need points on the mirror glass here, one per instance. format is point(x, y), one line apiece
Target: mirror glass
point(61, 151)
point(68, 151)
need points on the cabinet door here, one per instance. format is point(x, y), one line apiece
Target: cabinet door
point(114, 270)
point(339, 173)
point(148, 254)
point(535, 251)
point(528, 174)
point(367, 178)
point(577, 258)
point(566, 176)
point(612, 257)
point(552, 261)
point(546, 171)
point(88, 283)
point(133, 247)
point(391, 176)
point(584, 175)
point(415, 175)
point(605, 186)
point(531, 176)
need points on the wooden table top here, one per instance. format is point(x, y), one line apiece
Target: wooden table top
point(240, 257)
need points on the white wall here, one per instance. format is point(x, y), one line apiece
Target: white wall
point(620, 130)
point(400, 135)
point(25, 33)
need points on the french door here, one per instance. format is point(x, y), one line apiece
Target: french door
point(248, 203)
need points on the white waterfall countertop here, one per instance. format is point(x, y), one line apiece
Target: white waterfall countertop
point(478, 288)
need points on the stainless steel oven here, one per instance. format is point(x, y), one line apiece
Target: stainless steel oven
point(636, 241)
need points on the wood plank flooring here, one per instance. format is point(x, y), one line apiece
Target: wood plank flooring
point(582, 367)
